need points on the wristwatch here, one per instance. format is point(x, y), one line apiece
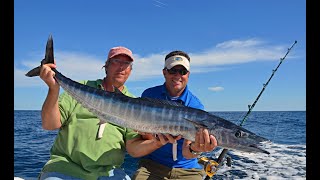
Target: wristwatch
point(192, 151)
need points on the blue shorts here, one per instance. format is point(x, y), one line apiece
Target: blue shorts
point(114, 174)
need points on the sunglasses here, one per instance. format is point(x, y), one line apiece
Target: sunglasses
point(120, 62)
point(175, 71)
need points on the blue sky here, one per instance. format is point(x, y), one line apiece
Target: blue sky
point(233, 45)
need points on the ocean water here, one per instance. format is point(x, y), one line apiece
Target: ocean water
point(285, 129)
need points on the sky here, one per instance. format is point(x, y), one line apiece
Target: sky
point(234, 47)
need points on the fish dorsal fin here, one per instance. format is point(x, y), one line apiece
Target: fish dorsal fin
point(197, 124)
point(162, 101)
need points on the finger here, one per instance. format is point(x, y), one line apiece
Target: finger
point(206, 137)
point(47, 70)
point(162, 139)
point(46, 73)
point(178, 137)
point(156, 137)
point(201, 139)
point(197, 139)
point(144, 133)
point(214, 142)
point(187, 142)
point(147, 136)
point(170, 138)
point(43, 70)
point(52, 65)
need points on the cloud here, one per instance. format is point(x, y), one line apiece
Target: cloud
point(159, 4)
point(79, 66)
point(216, 89)
point(237, 52)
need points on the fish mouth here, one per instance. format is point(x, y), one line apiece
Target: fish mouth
point(257, 148)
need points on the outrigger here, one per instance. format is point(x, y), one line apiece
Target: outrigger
point(209, 164)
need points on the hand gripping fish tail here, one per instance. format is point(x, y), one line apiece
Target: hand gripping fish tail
point(48, 58)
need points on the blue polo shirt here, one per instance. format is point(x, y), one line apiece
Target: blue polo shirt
point(163, 155)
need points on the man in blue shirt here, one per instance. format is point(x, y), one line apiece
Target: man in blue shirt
point(177, 157)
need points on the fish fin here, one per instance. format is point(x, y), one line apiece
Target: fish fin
point(161, 101)
point(48, 58)
point(49, 52)
point(34, 72)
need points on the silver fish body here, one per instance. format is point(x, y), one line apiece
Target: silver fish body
point(154, 115)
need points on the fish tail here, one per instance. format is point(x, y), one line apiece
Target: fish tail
point(48, 58)
point(34, 72)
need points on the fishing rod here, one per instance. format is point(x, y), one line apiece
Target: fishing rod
point(265, 85)
point(211, 166)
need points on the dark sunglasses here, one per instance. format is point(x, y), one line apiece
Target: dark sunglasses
point(175, 71)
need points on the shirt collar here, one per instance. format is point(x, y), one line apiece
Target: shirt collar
point(99, 84)
point(182, 97)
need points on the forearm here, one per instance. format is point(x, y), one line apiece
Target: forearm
point(50, 113)
point(139, 147)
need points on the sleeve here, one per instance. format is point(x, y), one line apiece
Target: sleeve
point(130, 134)
point(67, 106)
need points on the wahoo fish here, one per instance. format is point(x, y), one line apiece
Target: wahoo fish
point(153, 115)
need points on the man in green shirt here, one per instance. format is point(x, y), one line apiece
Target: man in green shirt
point(84, 148)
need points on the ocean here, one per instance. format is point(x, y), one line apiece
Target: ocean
point(285, 129)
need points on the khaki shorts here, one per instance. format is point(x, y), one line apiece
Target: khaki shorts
point(151, 170)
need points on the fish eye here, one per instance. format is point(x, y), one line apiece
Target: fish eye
point(238, 133)
point(241, 134)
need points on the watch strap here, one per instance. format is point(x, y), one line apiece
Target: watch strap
point(194, 152)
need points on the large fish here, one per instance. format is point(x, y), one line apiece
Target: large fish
point(153, 115)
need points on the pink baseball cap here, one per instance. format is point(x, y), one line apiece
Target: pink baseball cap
point(120, 50)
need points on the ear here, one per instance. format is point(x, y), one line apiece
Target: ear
point(107, 64)
point(163, 72)
point(106, 67)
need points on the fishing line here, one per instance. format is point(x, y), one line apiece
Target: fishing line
point(274, 135)
point(224, 151)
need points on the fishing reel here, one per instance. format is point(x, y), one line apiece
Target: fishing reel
point(211, 166)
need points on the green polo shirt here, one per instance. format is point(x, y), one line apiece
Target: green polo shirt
point(77, 151)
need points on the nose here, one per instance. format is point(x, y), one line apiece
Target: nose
point(123, 65)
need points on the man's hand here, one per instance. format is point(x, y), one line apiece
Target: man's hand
point(47, 75)
point(160, 139)
point(203, 143)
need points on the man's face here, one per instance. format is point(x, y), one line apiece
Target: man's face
point(176, 82)
point(119, 69)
